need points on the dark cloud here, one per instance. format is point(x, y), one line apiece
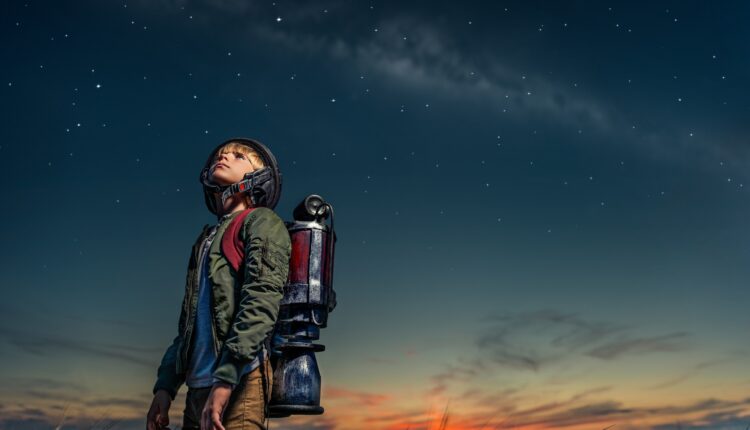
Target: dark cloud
point(729, 420)
point(502, 401)
point(33, 412)
point(672, 342)
point(611, 412)
point(50, 395)
point(120, 424)
point(606, 413)
point(504, 405)
point(71, 393)
point(464, 370)
point(24, 424)
point(589, 392)
point(136, 404)
point(688, 374)
point(14, 423)
point(698, 406)
point(566, 330)
point(530, 340)
point(42, 345)
point(43, 384)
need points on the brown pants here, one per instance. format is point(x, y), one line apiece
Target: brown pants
point(246, 407)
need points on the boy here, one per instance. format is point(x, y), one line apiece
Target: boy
point(226, 318)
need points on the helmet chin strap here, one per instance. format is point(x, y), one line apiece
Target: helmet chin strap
point(247, 184)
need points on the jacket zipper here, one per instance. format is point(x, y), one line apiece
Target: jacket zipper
point(213, 328)
point(188, 304)
point(189, 323)
point(211, 307)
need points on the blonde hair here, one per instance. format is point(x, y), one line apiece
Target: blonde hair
point(250, 153)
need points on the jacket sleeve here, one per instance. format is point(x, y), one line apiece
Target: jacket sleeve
point(167, 377)
point(266, 266)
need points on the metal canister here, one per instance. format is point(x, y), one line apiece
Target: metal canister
point(308, 299)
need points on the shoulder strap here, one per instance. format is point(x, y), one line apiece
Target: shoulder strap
point(231, 243)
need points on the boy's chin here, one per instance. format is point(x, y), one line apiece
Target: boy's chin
point(218, 180)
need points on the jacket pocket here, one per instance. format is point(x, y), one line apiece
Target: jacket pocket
point(273, 258)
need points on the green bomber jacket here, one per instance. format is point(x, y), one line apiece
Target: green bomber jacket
point(244, 312)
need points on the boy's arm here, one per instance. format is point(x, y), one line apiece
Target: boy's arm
point(167, 377)
point(266, 266)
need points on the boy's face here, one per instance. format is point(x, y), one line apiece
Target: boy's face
point(229, 167)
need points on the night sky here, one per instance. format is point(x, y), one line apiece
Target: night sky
point(541, 207)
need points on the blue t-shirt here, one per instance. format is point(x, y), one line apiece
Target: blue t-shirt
point(203, 359)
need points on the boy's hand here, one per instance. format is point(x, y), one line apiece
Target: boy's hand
point(215, 405)
point(158, 415)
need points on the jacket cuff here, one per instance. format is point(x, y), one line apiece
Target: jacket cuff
point(229, 368)
point(159, 386)
point(232, 386)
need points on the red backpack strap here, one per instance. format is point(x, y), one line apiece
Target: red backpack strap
point(231, 243)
